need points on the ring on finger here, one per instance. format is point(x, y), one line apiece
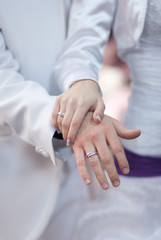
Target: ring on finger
point(61, 114)
point(90, 154)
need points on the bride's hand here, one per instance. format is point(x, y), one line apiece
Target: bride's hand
point(81, 97)
point(95, 138)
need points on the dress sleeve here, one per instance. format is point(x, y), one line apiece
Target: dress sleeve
point(25, 105)
point(89, 28)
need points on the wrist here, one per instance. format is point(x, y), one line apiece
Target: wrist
point(86, 83)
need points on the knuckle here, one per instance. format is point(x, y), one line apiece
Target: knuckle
point(93, 161)
point(117, 149)
point(93, 133)
point(59, 121)
point(80, 163)
point(63, 101)
point(106, 160)
point(71, 104)
point(113, 177)
point(83, 173)
point(106, 126)
point(65, 125)
point(101, 178)
point(75, 123)
point(72, 100)
point(82, 104)
point(77, 145)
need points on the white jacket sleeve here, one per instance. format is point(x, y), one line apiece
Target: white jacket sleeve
point(90, 25)
point(25, 105)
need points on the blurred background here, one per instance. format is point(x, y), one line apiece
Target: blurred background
point(114, 80)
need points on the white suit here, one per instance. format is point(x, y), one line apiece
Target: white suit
point(32, 34)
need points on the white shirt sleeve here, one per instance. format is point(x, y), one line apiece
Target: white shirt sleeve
point(25, 105)
point(89, 28)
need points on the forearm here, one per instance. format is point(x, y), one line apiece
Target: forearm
point(24, 105)
point(89, 28)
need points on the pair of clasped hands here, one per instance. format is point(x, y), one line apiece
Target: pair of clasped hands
point(79, 115)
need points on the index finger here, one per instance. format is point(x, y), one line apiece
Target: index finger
point(76, 122)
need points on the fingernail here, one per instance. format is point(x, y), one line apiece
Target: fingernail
point(58, 131)
point(99, 118)
point(125, 170)
point(87, 181)
point(68, 143)
point(104, 185)
point(116, 183)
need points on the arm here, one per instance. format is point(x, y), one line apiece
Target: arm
point(79, 62)
point(24, 105)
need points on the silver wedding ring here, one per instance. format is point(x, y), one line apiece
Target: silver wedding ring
point(90, 154)
point(61, 114)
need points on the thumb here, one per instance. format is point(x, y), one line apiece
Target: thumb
point(124, 132)
point(99, 111)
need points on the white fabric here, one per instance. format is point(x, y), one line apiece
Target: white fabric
point(152, 28)
point(144, 110)
point(128, 25)
point(29, 187)
point(130, 212)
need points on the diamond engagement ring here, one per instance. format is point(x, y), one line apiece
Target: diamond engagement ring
point(61, 114)
point(90, 154)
